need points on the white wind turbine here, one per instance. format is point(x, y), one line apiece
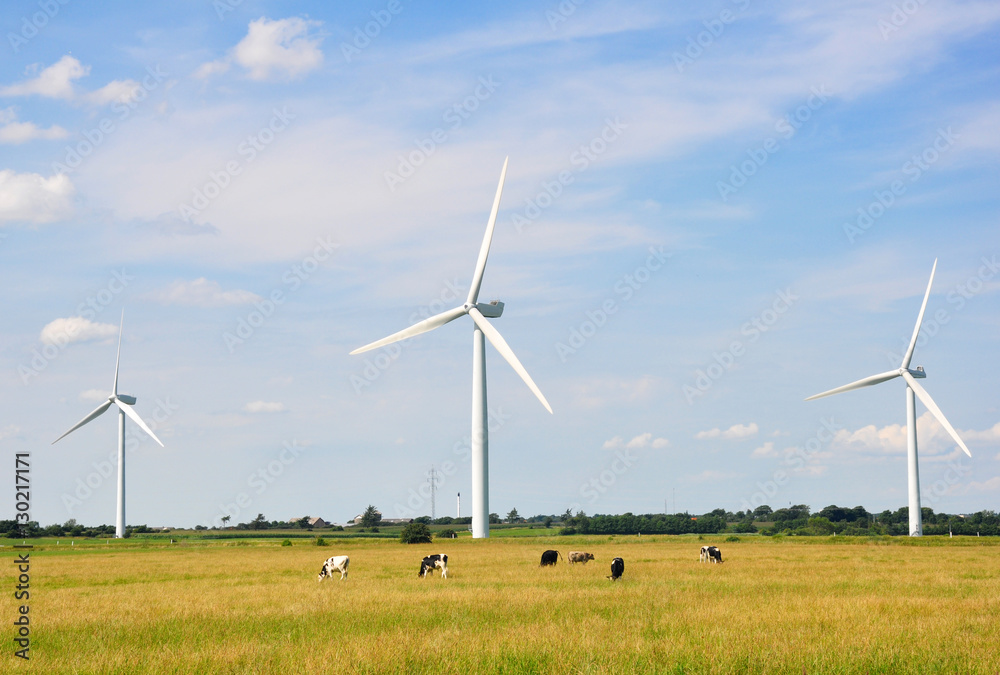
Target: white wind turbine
point(913, 387)
point(478, 312)
point(124, 403)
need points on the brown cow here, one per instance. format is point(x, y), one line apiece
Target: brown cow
point(580, 556)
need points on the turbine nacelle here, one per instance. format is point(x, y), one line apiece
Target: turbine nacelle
point(125, 398)
point(491, 310)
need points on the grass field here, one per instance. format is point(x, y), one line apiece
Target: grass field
point(776, 606)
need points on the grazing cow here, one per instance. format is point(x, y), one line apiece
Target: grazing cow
point(337, 563)
point(550, 558)
point(580, 556)
point(711, 554)
point(438, 561)
point(617, 569)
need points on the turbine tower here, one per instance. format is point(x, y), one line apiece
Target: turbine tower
point(913, 387)
point(482, 328)
point(124, 403)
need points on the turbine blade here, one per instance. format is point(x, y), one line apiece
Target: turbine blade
point(121, 328)
point(865, 382)
point(416, 329)
point(484, 250)
point(501, 345)
point(929, 403)
point(920, 319)
point(97, 413)
point(127, 409)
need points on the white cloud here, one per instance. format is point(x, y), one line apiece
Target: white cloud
point(735, 431)
point(932, 439)
point(94, 395)
point(202, 293)
point(32, 198)
point(765, 451)
point(645, 440)
point(272, 50)
point(13, 132)
point(264, 407)
point(990, 485)
point(9, 431)
point(56, 81)
point(121, 91)
point(75, 329)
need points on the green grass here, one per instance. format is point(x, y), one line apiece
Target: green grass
point(822, 605)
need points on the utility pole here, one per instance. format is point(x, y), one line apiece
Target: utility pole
point(458, 506)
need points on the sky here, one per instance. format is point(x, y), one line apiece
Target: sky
point(711, 211)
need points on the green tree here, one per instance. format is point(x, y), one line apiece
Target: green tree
point(494, 519)
point(415, 533)
point(303, 522)
point(513, 516)
point(259, 523)
point(762, 512)
point(548, 521)
point(225, 520)
point(371, 517)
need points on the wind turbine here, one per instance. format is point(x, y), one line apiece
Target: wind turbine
point(912, 387)
point(124, 403)
point(478, 312)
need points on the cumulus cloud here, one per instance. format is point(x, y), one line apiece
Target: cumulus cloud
point(264, 407)
point(765, 451)
point(32, 198)
point(56, 81)
point(75, 329)
point(281, 49)
point(120, 91)
point(733, 432)
point(932, 439)
point(202, 293)
point(13, 132)
point(645, 440)
point(990, 485)
point(94, 395)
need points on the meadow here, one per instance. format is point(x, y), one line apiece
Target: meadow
point(777, 605)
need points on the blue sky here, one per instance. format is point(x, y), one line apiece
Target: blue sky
point(711, 212)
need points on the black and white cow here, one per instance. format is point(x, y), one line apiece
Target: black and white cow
point(550, 558)
point(337, 563)
point(617, 569)
point(438, 561)
point(711, 554)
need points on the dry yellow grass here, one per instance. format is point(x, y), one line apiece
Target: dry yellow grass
point(774, 606)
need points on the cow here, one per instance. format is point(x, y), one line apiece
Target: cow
point(337, 563)
point(580, 556)
point(549, 558)
point(617, 569)
point(438, 561)
point(711, 554)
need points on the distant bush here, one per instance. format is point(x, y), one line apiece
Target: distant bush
point(732, 537)
point(415, 533)
point(286, 543)
point(320, 541)
point(568, 530)
point(446, 534)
